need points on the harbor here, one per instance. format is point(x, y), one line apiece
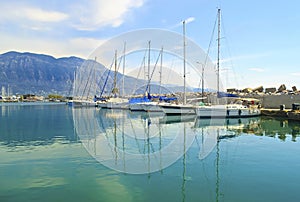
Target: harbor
point(142, 101)
point(62, 144)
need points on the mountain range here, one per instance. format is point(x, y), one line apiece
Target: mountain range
point(29, 73)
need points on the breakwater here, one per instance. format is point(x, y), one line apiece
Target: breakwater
point(274, 101)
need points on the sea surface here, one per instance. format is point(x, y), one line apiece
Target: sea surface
point(51, 152)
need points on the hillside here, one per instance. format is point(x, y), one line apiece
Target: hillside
point(29, 73)
point(40, 74)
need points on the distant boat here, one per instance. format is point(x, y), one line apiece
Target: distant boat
point(81, 103)
point(241, 107)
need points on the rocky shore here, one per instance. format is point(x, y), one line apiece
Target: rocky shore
point(271, 98)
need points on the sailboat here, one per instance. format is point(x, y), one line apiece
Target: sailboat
point(238, 108)
point(116, 102)
point(136, 103)
point(153, 106)
point(80, 101)
point(184, 108)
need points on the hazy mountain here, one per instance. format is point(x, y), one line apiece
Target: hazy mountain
point(38, 74)
point(24, 73)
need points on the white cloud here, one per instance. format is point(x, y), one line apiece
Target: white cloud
point(80, 14)
point(20, 13)
point(48, 26)
point(190, 19)
point(83, 46)
point(101, 13)
point(295, 74)
point(80, 47)
point(187, 21)
point(257, 69)
point(37, 14)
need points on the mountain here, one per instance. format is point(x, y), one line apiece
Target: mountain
point(24, 73)
point(29, 73)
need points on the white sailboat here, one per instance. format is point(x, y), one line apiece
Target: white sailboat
point(153, 106)
point(184, 108)
point(239, 108)
point(117, 102)
point(79, 101)
point(137, 104)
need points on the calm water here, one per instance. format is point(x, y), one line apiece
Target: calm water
point(52, 153)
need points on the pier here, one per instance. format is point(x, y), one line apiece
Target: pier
point(283, 113)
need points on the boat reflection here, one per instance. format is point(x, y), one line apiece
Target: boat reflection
point(133, 142)
point(140, 142)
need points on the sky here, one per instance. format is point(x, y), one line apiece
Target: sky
point(259, 39)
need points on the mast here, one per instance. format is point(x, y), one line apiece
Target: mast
point(218, 59)
point(115, 90)
point(202, 88)
point(115, 75)
point(74, 83)
point(149, 66)
point(184, 89)
point(123, 82)
point(160, 72)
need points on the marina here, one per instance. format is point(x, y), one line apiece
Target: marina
point(148, 108)
point(225, 159)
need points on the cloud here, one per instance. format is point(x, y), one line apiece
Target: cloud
point(100, 13)
point(55, 27)
point(80, 14)
point(295, 74)
point(18, 12)
point(257, 69)
point(84, 46)
point(77, 46)
point(189, 20)
point(37, 14)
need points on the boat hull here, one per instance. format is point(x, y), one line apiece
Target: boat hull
point(152, 107)
point(227, 111)
point(102, 104)
point(117, 103)
point(136, 107)
point(177, 109)
point(81, 103)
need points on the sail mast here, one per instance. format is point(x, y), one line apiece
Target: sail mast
point(149, 66)
point(123, 82)
point(115, 75)
point(115, 90)
point(160, 72)
point(184, 90)
point(218, 59)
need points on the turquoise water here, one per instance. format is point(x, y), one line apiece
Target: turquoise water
point(52, 153)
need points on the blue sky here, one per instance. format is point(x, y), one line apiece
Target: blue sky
point(260, 39)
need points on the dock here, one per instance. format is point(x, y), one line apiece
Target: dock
point(286, 113)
